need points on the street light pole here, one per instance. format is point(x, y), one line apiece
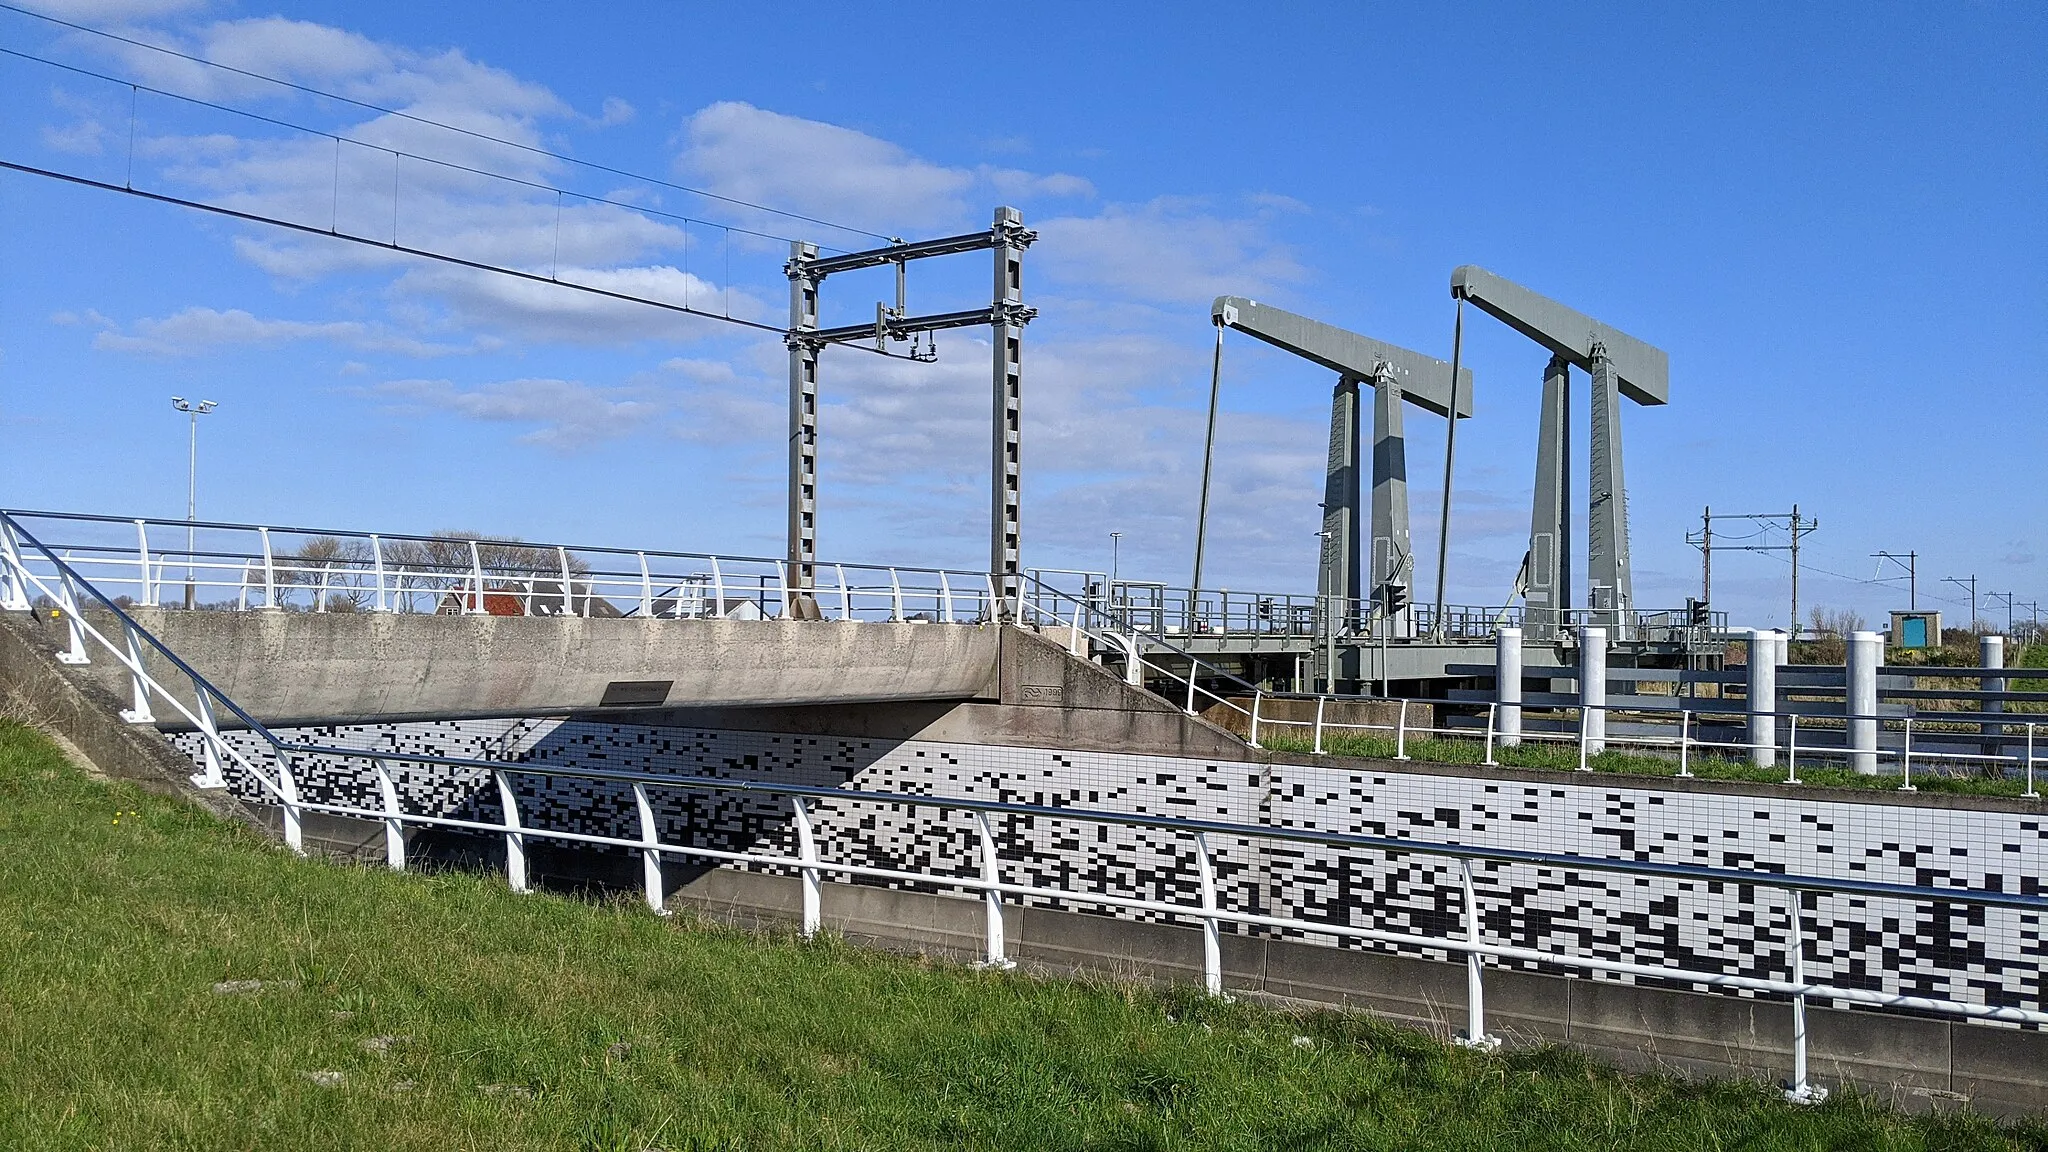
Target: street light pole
point(195, 411)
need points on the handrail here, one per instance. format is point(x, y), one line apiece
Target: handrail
point(1565, 861)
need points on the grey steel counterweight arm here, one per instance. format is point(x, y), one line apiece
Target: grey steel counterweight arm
point(1348, 573)
point(1424, 380)
point(1620, 365)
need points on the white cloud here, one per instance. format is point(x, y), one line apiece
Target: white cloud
point(566, 414)
point(193, 331)
point(1167, 250)
point(844, 175)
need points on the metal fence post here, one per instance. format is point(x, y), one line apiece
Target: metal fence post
point(394, 822)
point(148, 597)
point(1212, 940)
point(476, 572)
point(1475, 981)
point(288, 795)
point(1492, 718)
point(895, 596)
point(995, 952)
point(138, 681)
point(647, 588)
point(1583, 713)
point(383, 602)
point(515, 844)
point(1792, 750)
point(1906, 760)
point(1401, 731)
point(717, 589)
point(269, 570)
point(1799, 1091)
point(1190, 708)
point(1684, 743)
point(1320, 700)
point(650, 852)
point(1257, 697)
point(14, 583)
point(2030, 793)
point(209, 774)
point(945, 598)
point(807, 851)
point(73, 623)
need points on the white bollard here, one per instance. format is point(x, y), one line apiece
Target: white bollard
point(1991, 654)
point(1763, 697)
point(1593, 687)
point(1507, 660)
point(1866, 652)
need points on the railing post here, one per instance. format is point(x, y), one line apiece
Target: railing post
point(807, 851)
point(515, 843)
point(1584, 712)
point(1492, 717)
point(1475, 980)
point(2030, 793)
point(74, 628)
point(1684, 743)
point(1906, 760)
point(148, 597)
point(138, 681)
point(1257, 697)
point(1319, 724)
point(717, 589)
point(394, 821)
point(1401, 731)
point(995, 608)
point(647, 588)
point(895, 596)
point(1073, 628)
point(288, 795)
point(945, 598)
point(650, 852)
point(1792, 749)
point(845, 596)
point(1507, 679)
point(995, 952)
point(209, 775)
point(1190, 709)
point(14, 583)
point(568, 593)
point(269, 570)
point(1212, 940)
point(1799, 1091)
point(384, 602)
point(476, 579)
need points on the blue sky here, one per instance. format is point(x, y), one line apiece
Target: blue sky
point(1829, 215)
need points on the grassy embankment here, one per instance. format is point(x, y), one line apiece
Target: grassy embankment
point(168, 981)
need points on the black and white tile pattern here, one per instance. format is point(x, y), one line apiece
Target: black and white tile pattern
point(1953, 952)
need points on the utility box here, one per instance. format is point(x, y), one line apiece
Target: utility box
point(1916, 630)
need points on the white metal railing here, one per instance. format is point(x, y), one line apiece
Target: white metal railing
point(60, 581)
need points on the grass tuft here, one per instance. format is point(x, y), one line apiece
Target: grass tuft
point(439, 1012)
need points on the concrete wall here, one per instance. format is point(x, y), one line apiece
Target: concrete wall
point(301, 667)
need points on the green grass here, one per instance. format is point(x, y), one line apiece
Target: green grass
point(1565, 757)
point(541, 1022)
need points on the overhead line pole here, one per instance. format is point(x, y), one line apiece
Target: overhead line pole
point(1971, 584)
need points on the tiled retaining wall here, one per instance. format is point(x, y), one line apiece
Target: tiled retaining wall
point(1955, 952)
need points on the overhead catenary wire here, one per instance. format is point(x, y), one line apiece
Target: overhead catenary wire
point(340, 139)
point(392, 246)
point(418, 119)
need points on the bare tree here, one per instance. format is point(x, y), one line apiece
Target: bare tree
point(443, 562)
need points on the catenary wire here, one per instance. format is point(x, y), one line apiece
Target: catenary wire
point(418, 119)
